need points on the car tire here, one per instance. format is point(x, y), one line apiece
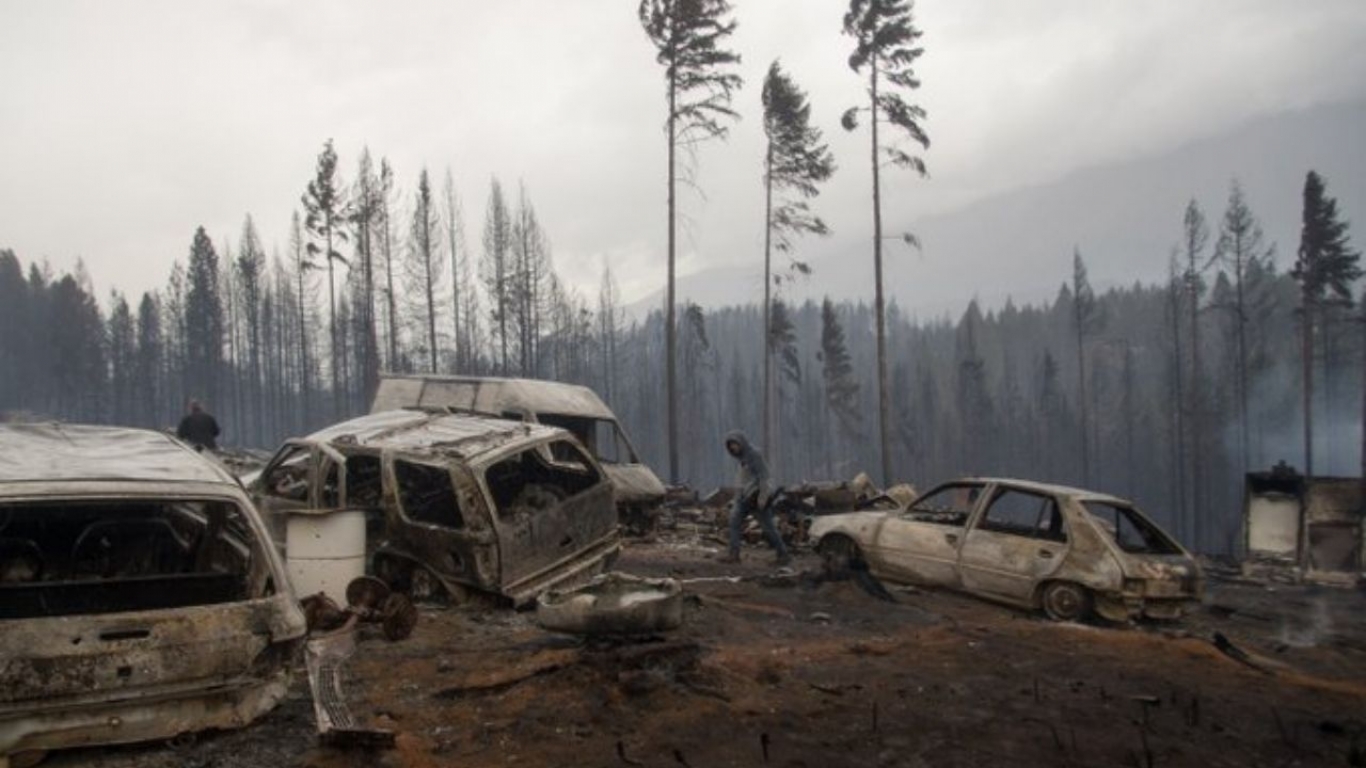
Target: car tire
point(1066, 601)
point(840, 556)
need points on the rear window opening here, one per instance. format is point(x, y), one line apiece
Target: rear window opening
point(538, 479)
point(90, 557)
point(1131, 531)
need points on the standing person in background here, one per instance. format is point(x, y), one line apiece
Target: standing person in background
point(198, 428)
point(753, 498)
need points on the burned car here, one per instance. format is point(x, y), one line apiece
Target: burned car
point(140, 596)
point(1068, 552)
point(454, 502)
point(557, 404)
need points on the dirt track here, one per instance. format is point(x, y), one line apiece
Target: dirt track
point(788, 672)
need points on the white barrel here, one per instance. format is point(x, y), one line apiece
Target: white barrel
point(323, 553)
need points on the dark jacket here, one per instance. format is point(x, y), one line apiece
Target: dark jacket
point(198, 429)
point(753, 479)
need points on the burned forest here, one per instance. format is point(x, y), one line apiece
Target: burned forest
point(1098, 391)
point(689, 383)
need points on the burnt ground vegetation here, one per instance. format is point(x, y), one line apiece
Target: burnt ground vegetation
point(789, 668)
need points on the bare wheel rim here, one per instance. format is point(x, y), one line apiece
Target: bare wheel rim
point(1064, 601)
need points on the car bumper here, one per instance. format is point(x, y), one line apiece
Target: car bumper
point(146, 715)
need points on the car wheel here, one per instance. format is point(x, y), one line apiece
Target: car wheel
point(1065, 601)
point(840, 556)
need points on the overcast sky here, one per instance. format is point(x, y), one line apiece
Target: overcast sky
point(125, 125)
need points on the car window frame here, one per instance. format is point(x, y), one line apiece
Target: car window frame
point(1048, 501)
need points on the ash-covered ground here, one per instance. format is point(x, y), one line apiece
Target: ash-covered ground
point(788, 669)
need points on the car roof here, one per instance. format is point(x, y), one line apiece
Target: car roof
point(434, 432)
point(47, 451)
point(1039, 487)
point(490, 394)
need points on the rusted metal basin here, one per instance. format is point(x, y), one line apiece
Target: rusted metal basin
point(613, 604)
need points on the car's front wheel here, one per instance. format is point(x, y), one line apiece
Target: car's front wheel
point(1066, 601)
point(839, 556)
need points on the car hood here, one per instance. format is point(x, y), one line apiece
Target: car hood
point(634, 483)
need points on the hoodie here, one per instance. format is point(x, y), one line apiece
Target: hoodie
point(753, 477)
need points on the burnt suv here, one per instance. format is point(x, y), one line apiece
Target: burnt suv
point(456, 502)
point(140, 597)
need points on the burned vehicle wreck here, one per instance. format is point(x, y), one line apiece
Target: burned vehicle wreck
point(554, 403)
point(140, 596)
point(453, 502)
point(1066, 551)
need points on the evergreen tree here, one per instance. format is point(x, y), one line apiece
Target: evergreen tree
point(385, 223)
point(1325, 268)
point(794, 163)
point(1195, 236)
point(122, 346)
point(1085, 320)
point(77, 349)
point(885, 35)
point(365, 217)
point(455, 244)
point(15, 339)
point(424, 265)
point(609, 327)
point(496, 267)
point(325, 211)
point(251, 264)
point(203, 322)
point(1241, 248)
point(302, 264)
point(147, 368)
point(837, 370)
point(688, 36)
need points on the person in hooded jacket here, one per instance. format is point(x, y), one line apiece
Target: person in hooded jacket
point(752, 499)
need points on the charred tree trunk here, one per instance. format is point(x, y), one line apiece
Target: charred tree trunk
point(670, 332)
point(879, 303)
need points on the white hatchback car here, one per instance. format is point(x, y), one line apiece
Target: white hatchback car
point(1066, 551)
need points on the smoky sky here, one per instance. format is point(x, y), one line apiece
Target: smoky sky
point(123, 126)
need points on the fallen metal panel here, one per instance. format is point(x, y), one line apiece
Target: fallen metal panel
point(325, 657)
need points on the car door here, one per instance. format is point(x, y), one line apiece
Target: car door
point(1018, 540)
point(920, 543)
point(441, 523)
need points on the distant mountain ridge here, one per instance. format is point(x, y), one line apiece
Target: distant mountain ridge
point(1124, 217)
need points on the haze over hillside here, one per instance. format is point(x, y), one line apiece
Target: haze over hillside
point(1124, 217)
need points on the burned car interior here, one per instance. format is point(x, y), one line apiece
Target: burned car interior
point(533, 480)
point(84, 557)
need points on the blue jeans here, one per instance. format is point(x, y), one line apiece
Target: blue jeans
point(742, 507)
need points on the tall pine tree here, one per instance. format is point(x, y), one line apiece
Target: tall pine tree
point(688, 36)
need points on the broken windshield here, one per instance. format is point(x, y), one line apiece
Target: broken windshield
point(602, 437)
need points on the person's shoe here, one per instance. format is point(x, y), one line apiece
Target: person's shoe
point(730, 558)
point(783, 559)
